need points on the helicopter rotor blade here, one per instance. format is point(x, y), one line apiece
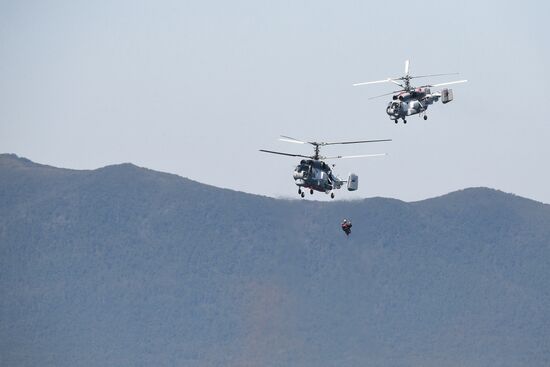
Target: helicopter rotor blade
point(281, 153)
point(430, 75)
point(397, 83)
point(289, 139)
point(356, 142)
point(448, 83)
point(386, 94)
point(373, 82)
point(357, 156)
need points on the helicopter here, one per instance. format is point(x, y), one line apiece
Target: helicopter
point(314, 174)
point(413, 100)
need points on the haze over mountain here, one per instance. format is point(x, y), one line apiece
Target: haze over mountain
point(125, 266)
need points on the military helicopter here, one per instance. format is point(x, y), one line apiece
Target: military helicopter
point(410, 100)
point(314, 174)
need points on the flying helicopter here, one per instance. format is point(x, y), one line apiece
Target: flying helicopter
point(413, 100)
point(314, 174)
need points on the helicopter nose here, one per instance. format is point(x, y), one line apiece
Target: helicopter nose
point(393, 109)
point(298, 175)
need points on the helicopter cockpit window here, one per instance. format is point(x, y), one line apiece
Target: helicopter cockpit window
point(302, 168)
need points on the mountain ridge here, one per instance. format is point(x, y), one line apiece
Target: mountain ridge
point(13, 160)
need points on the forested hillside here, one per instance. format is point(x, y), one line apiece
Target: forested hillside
point(125, 266)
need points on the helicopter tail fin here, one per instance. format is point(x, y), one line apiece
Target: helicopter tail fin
point(446, 95)
point(353, 182)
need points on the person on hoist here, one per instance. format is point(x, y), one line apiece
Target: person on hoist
point(346, 226)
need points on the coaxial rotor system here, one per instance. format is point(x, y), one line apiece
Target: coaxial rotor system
point(317, 147)
point(405, 81)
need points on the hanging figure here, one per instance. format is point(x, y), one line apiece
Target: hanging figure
point(346, 226)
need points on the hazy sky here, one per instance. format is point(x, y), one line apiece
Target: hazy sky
point(196, 88)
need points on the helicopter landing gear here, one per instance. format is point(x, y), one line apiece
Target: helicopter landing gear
point(332, 195)
point(396, 121)
point(425, 117)
point(404, 121)
point(299, 190)
point(302, 194)
point(311, 191)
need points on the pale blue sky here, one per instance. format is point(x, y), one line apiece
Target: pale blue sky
point(196, 88)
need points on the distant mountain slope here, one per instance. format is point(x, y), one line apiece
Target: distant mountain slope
point(124, 266)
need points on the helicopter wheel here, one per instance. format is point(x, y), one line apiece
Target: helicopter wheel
point(302, 194)
point(311, 191)
point(299, 190)
point(425, 117)
point(396, 121)
point(332, 195)
point(404, 121)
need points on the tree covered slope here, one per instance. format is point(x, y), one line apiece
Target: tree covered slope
point(125, 266)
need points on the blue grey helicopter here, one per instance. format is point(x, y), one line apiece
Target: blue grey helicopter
point(314, 174)
point(413, 100)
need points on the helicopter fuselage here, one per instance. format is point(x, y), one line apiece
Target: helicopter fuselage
point(410, 103)
point(316, 175)
point(415, 101)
